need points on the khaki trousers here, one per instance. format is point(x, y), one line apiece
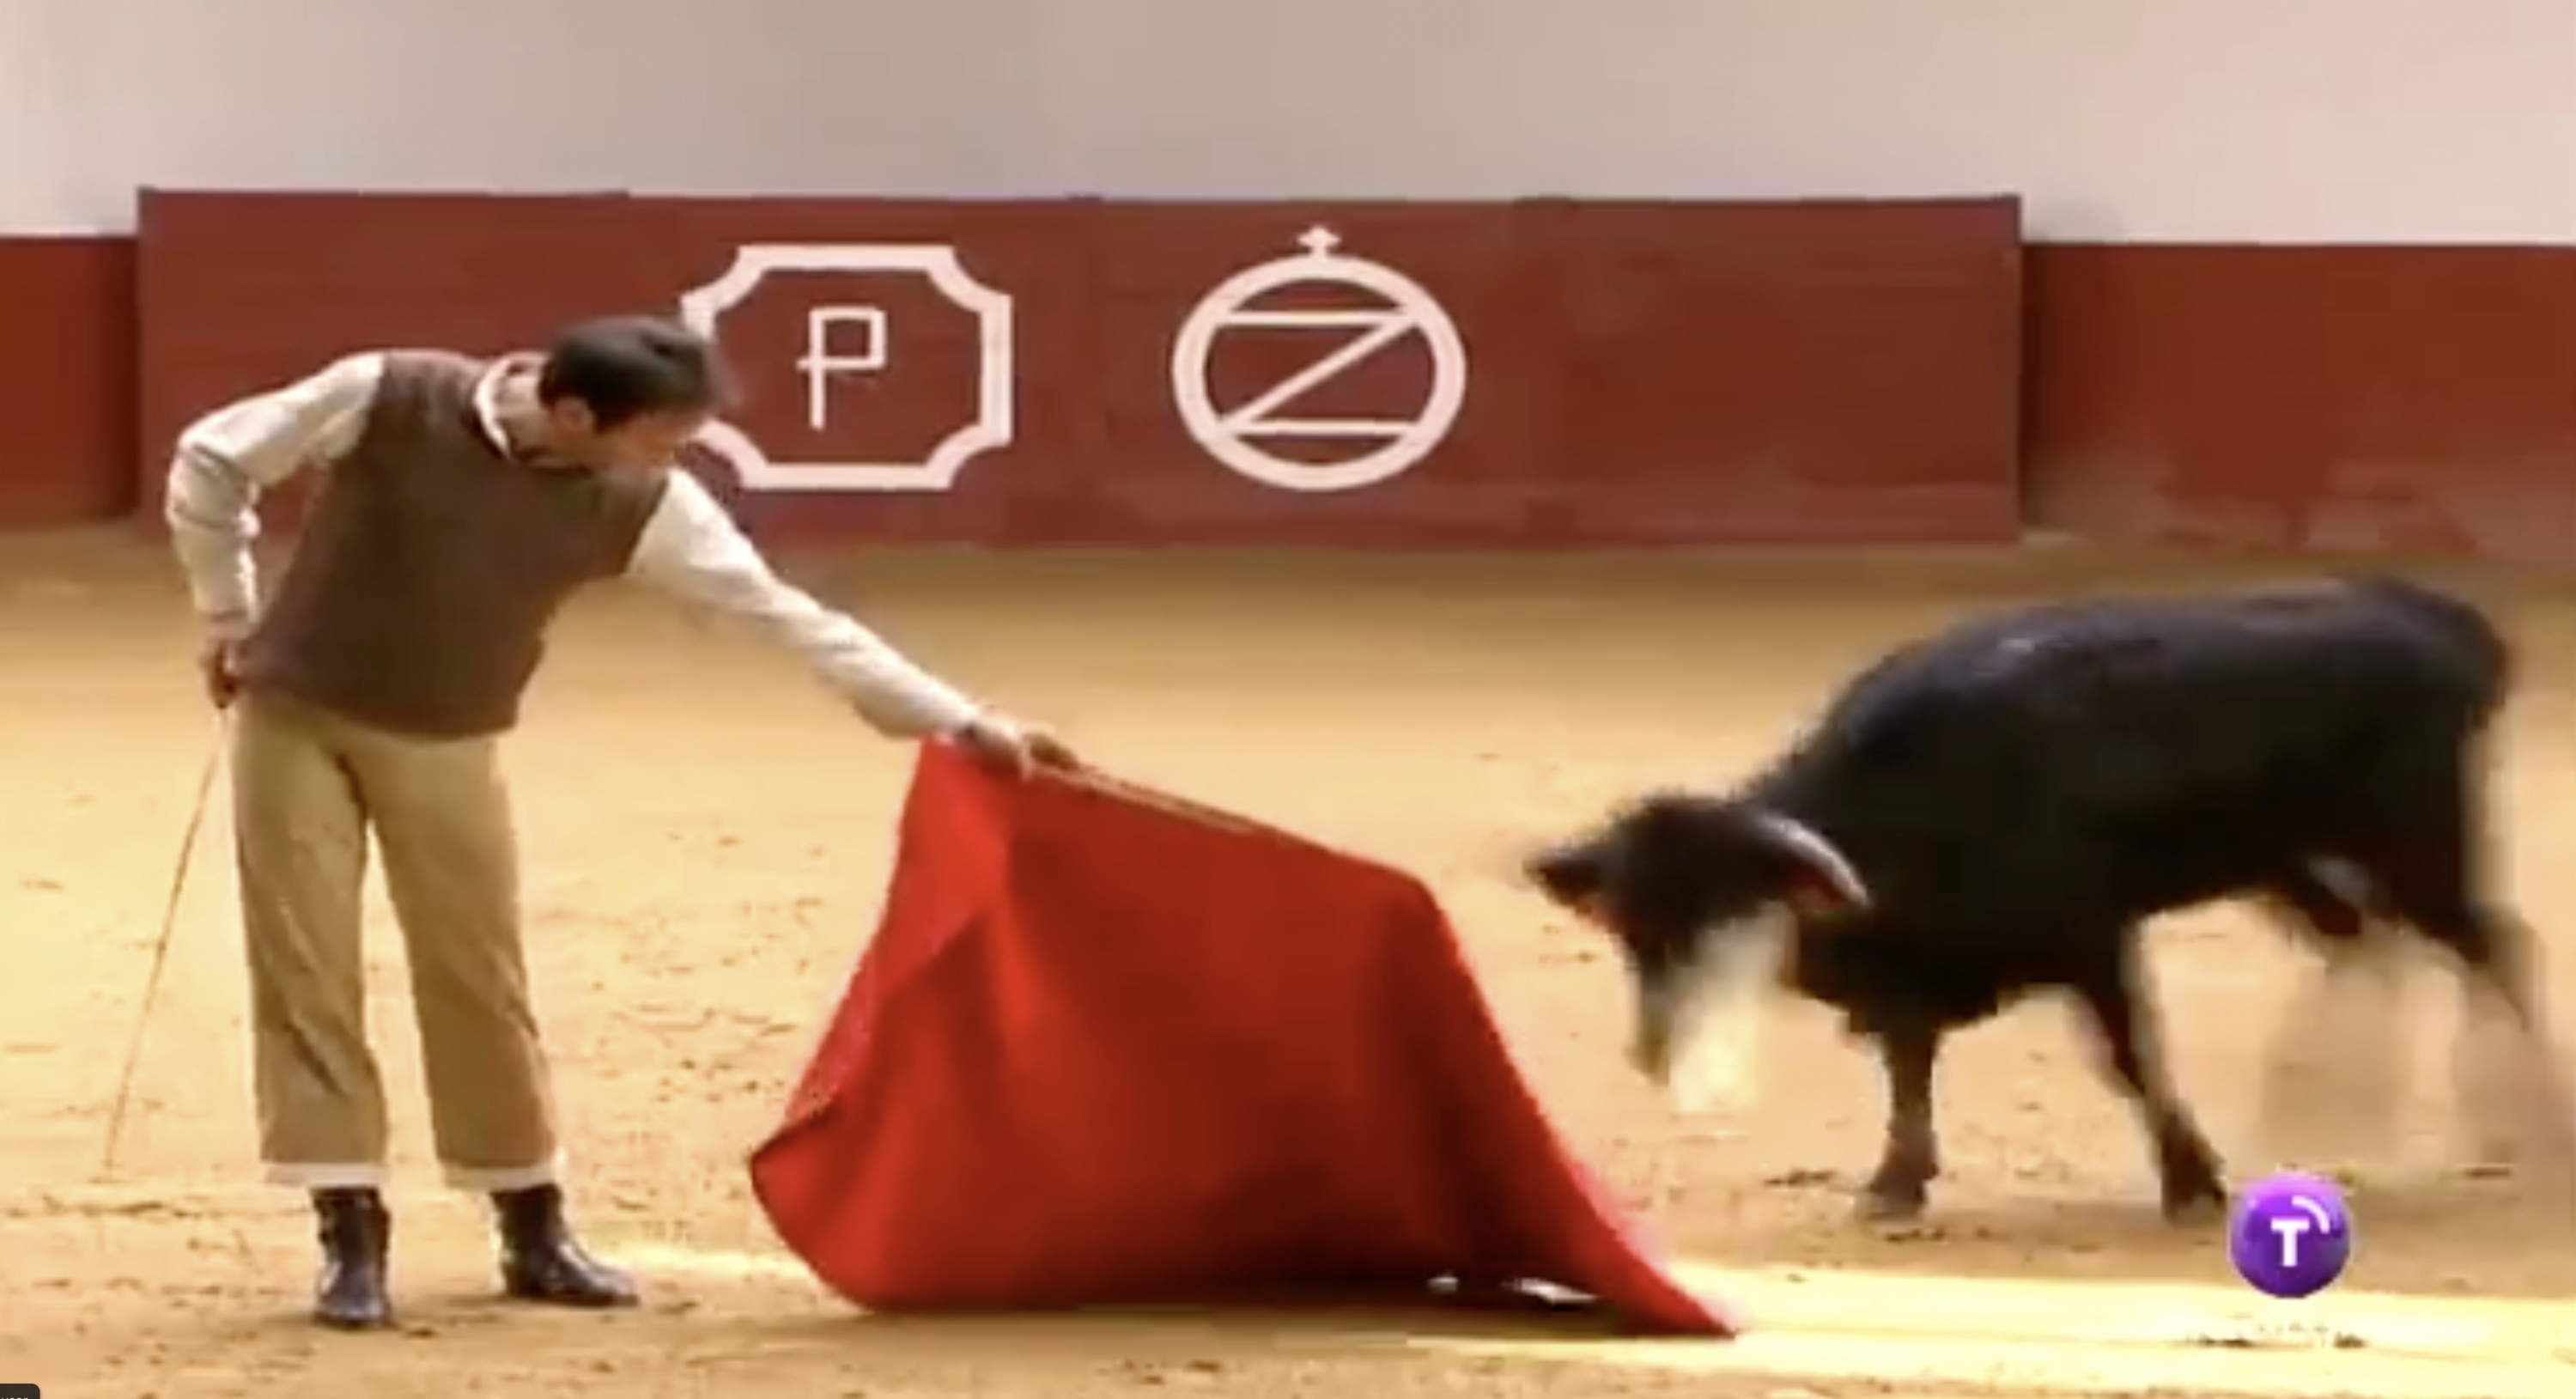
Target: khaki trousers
point(308, 787)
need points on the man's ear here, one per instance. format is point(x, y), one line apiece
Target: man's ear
point(1571, 876)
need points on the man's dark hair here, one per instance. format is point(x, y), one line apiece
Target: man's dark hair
point(623, 367)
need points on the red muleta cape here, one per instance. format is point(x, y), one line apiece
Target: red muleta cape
point(1107, 1048)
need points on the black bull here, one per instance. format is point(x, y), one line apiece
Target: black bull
point(1998, 809)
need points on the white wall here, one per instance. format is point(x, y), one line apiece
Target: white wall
point(35, 108)
point(2152, 120)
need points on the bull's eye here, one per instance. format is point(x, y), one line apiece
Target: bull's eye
point(1816, 898)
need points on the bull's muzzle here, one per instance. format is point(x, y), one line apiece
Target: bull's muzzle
point(1699, 1024)
point(1650, 1043)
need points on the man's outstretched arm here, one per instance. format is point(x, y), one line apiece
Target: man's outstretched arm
point(692, 549)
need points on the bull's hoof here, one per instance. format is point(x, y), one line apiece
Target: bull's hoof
point(2493, 1138)
point(2537, 1152)
point(2536, 1169)
point(2492, 1153)
point(1890, 1203)
point(2196, 1205)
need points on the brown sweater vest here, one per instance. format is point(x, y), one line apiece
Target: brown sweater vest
point(430, 564)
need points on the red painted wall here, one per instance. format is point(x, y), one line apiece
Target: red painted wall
point(2419, 399)
point(1664, 373)
point(1635, 374)
point(68, 451)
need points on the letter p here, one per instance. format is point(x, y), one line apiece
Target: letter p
point(821, 360)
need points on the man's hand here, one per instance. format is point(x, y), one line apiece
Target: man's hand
point(1015, 748)
point(218, 665)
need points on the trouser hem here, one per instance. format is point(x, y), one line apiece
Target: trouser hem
point(325, 1175)
point(486, 1180)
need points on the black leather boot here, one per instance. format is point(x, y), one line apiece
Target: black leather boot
point(542, 1262)
point(357, 1239)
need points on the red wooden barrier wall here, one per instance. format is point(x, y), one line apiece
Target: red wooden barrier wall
point(1633, 374)
point(1557, 373)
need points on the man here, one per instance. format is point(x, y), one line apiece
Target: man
point(461, 502)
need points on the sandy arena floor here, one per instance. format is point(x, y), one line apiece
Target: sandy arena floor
point(707, 836)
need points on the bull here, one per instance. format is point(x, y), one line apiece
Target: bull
point(1996, 811)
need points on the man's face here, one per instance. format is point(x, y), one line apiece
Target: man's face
point(650, 439)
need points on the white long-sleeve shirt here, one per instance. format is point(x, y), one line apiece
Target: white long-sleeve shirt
point(690, 547)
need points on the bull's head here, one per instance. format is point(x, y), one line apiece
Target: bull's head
point(1701, 896)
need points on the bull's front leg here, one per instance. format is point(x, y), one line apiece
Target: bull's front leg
point(2186, 1168)
point(1911, 1158)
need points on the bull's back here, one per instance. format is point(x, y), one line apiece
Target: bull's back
point(2136, 751)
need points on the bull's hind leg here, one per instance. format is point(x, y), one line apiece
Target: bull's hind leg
point(2530, 1099)
point(2334, 1076)
point(2428, 865)
point(1911, 1157)
point(2186, 1168)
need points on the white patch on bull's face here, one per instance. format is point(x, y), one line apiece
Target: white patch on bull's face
point(1719, 1004)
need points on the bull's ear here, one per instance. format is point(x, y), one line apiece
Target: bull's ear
point(1823, 880)
point(1571, 876)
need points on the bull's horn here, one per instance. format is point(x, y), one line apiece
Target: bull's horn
point(1816, 852)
